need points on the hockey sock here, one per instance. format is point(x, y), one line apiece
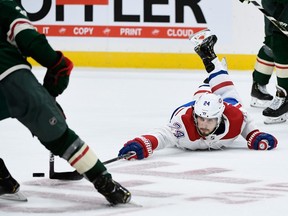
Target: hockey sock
point(264, 66)
point(84, 159)
point(280, 45)
point(97, 170)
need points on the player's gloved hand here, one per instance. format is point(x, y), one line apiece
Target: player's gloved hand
point(140, 145)
point(57, 77)
point(261, 141)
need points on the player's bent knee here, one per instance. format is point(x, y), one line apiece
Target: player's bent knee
point(60, 145)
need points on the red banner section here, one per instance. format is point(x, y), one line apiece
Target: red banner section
point(81, 2)
point(118, 31)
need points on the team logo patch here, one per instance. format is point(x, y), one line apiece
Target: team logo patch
point(53, 121)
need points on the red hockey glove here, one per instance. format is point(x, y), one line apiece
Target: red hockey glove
point(57, 77)
point(140, 145)
point(261, 141)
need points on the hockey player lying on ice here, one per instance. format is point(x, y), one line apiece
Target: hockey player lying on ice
point(214, 119)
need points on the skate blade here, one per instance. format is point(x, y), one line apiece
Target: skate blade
point(255, 102)
point(126, 205)
point(198, 37)
point(276, 120)
point(18, 196)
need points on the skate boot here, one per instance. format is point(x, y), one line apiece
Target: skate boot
point(259, 96)
point(8, 185)
point(277, 111)
point(111, 190)
point(204, 43)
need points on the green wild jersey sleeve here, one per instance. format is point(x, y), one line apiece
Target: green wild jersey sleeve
point(19, 32)
point(283, 1)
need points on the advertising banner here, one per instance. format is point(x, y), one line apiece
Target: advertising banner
point(141, 26)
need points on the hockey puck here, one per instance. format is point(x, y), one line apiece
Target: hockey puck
point(38, 174)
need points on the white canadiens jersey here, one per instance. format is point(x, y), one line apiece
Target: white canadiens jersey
point(181, 130)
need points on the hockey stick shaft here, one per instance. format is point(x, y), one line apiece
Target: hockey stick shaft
point(125, 156)
point(51, 165)
point(280, 25)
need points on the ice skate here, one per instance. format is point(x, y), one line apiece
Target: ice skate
point(112, 190)
point(277, 112)
point(203, 43)
point(259, 96)
point(9, 187)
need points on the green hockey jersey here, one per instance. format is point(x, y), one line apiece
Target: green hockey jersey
point(19, 39)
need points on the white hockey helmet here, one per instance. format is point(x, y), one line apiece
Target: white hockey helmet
point(210, 106)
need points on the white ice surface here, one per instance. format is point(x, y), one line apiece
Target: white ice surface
point(107, 107)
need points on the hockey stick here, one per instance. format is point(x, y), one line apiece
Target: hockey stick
point(125, 156)
point(280, 25)
point(74, 175)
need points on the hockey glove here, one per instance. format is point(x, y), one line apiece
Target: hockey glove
point(140, 145)
point(57, 77)
point(261, 141)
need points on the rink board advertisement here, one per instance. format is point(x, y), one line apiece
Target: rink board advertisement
point(132, 27)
